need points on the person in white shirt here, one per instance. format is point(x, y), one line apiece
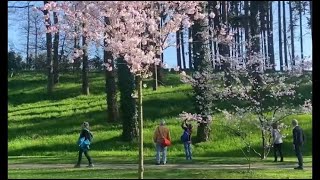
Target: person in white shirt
point(277, 142)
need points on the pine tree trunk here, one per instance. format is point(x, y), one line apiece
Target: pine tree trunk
point(55, 52)
point(280, 36)
point(285, 35)
point(190, 48)
point(28, 34)
point(270, 36)
point(178, 45)
point(85, 66)
point(301, 37)
point(49, 53)
point(254, 27)
point(216, 26)
point(246, 29)
point(182, 49)
point(292, 34)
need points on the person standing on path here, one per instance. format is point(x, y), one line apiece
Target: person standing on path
point(84, 142)
point(160, 133)
point(186, 139)
point(277, 142)
point(298, 141)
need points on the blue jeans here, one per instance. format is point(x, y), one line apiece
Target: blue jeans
point(159, 149)
point(187, 149)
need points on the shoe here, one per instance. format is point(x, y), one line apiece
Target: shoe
point(157, 163)
point(90, 165)
point(163, 163)
point(299, 168)
point(275, 161)
point(77, 166)
point(281, 160)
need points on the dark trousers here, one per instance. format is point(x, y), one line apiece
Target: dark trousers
point(297, 149)
point(277, 148)
point(86, 154)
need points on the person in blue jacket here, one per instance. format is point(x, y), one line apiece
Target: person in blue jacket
point(84, 142)
point(186, 139)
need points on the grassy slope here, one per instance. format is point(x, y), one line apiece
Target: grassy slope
point(43, 125)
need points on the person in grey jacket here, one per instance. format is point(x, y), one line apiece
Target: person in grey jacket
point(277, 142)
point(298, 141)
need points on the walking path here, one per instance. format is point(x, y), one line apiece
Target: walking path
point(150, 166)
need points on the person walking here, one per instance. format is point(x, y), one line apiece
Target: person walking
point(160, 134)
point(84, 142)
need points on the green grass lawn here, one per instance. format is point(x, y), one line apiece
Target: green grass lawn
point(42, 125)
point(158, 174)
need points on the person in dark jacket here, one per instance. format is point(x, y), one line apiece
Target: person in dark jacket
point(298, 141)
point(187, 144)
point(84, 143)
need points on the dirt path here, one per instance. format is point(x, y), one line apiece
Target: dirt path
point(149, 166)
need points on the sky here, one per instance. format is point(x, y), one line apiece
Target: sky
point(170, 56)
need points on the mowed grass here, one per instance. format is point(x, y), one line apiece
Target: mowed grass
point(42, 125)
point(158, 174)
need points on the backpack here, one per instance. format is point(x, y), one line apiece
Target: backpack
point(185, 136)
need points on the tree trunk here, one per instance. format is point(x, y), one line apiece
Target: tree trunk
point(49, 53)
point(246, 29)
point(224, 49)
point(216, 26)
point(202, 64)
point(301, 37)
point(182, 49)
point(285, 34)
point(36, 41)
point(270, 36)
point(178, 45)
point(85, 67)
point(254, 27)
point(310, 6)
point(263, 151)
point(292, 34)
point(111, 89)
point(190, 48)
point(55, 52)
point(140, 118)
point(280, 36)
point(210, 10)
point(128, 109)
point(28, 34)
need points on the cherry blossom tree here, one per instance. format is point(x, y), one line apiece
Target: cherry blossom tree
point(132, 33)
point(270, 97)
